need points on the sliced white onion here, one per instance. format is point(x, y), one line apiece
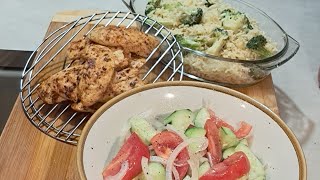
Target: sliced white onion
point(200, 154)
point(122, 172)
point(176, 152)
point(210, 159)
point(158, 159)
point(194, 166)
point(175, 173)
point(179, 164)
point(203, 159)
point(145, 168)
point(169, 127)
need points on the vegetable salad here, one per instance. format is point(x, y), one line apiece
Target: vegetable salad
point(187, 145)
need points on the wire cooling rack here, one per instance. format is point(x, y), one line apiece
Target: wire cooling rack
point(59, 120)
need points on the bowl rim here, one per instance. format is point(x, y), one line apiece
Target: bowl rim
point(228, 91)
point(272, 58)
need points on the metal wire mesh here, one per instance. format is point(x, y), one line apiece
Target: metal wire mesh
point(59, 120)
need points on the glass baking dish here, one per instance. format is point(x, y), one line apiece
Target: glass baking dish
point(236, 72)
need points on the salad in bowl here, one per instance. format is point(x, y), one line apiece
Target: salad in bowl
point(185, 145)
point(169, 131)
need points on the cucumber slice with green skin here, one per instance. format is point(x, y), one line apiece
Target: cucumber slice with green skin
point(180, 119)
point(195, 132)
point(202, 116)
point(228, 138)
point(142, 128)
point(204, 167)
point(256, 168)
point(156, 171)
point(195, 113)
point(244, 142)
point(228, 152)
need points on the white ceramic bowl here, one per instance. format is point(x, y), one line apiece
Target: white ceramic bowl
point(273, 141)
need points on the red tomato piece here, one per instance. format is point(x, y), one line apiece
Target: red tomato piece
point(219, 122)
point(132, 151)
point(164, 143)
point(244, 130)
point(232, 168)
point(214, 147)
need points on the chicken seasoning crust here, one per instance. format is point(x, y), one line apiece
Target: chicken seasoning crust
point(106, 63)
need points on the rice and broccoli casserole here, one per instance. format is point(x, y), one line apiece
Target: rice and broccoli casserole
point(216, 28)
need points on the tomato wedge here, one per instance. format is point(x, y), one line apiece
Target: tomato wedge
point(214, 147)
point(219, 122)
point(132, 151)
point(164, 143)
point(244, 130)
point(232, 168)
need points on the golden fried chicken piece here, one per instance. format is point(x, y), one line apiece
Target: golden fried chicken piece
point(84, 83)
point(75, 48)
point(46, 93)
point(130, 39)
point(99, 72)
point(81, 108)
point(61, 86)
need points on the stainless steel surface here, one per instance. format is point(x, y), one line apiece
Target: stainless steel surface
point(60, 121)
point(11, 65)
point(9, 91)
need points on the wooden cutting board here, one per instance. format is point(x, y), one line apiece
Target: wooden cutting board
point(27, 153)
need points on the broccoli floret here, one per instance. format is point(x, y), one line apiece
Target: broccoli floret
point(226, 12)
point(232, 20)
point(152, 5)
point(188, 42)
point(172, 6)
point(193, 17)
point(220, 37)
point(208, 3)
point(257, 44)
point(247, 26)
point(219, 32)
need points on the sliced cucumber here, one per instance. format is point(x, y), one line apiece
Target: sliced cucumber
point(202, 116)
point(142, 128)
point(195, 113)
point(228, 152)
point(195, 132)
point(244, 142)
point(157, 171)
point(180, 119)
point(256, 168)
point(204, 167)
point(228, 138)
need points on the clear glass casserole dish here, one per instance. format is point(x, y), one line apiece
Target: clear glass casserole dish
point(235, 72)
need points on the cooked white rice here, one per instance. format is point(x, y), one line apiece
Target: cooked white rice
point(234, 47)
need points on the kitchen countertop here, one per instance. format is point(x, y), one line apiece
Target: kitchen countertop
point(296, 85)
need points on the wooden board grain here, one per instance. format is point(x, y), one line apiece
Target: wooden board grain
point(27, 153)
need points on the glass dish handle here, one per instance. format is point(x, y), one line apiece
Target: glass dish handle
point(292, 49)
point(129, 5)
